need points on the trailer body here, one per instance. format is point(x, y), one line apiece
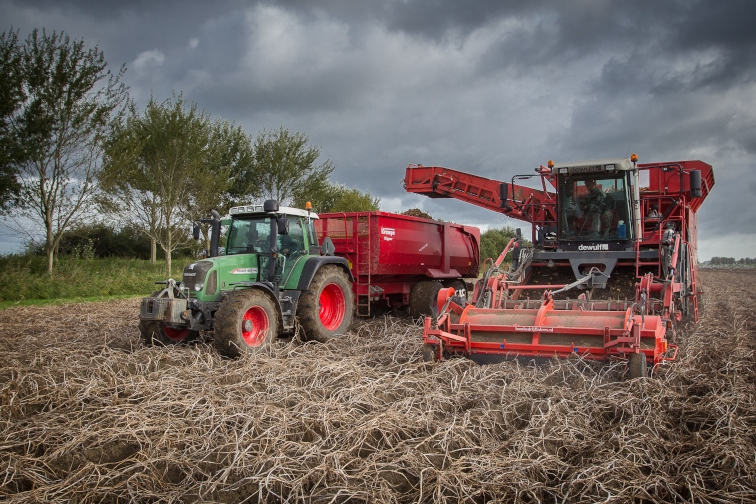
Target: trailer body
point(391, 254)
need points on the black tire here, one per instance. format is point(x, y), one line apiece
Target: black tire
point(326, 308)
point(156, 333)
point(428, 352)
point(246, 322)
point(637, 365)
point(460, 287)
point(424, 299)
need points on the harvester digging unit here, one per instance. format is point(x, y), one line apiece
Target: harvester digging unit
point(624, 233)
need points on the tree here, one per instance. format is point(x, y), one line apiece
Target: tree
point(153, 163)
point(493, 242)
point(229, 152)
point(284, 168)
point(11, 100)
point(68, 100)
point(339, 198)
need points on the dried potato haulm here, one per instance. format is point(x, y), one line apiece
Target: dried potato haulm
point(88, 414)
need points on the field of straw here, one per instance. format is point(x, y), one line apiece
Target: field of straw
point(88, 414)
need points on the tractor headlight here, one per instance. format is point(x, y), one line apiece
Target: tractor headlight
point(198, 287)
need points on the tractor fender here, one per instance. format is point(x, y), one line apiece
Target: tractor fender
point(313, 264)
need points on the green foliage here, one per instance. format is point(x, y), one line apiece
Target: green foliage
point(67, 101)
point(24, 277)
point(107, 241)
point(284, 168)
point(339, 198)
point(493, 242)
point(155, 163)
point(11, 101)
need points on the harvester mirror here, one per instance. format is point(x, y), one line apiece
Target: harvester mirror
point(518, 234)
point(196, 232)
point(283, 226)
point(270, 205)
point(695, 184)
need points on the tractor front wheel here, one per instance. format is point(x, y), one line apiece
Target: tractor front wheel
point(246, 322)
point(325, 309)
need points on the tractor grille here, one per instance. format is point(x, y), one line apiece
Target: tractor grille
point(195, 274)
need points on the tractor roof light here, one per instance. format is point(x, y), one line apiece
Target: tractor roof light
point(308, 206)
point(551, 163)
point(634, 158)
point(563, 170)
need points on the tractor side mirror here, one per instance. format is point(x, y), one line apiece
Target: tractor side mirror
point(327, 249)
point(283, 226)
point(518, 234)
point(196, 232)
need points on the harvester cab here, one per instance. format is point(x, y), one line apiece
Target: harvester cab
point(624, 233)
point(269, 275)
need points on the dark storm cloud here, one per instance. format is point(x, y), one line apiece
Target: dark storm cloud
point(490, 87)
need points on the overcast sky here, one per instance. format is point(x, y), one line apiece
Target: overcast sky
point(494, 88)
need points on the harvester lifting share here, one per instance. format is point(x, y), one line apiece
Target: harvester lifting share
point(494, 324)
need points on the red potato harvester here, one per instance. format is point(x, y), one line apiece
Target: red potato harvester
point(612, 228)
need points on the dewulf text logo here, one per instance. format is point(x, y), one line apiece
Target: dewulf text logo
point(598, 246)
point(388, 233)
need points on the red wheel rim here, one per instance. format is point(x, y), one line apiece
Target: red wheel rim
point(176, 334)
point(332, 306)
point(255, 326)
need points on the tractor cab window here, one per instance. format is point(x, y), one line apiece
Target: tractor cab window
point(292, 244)
point(249, 236)
point(594, 207)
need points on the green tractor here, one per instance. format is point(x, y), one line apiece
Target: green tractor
point(272, 273)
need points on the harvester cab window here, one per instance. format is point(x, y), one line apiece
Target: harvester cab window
point(249, 236)
point(595, 208)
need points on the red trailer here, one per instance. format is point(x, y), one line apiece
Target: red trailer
point(400, 261)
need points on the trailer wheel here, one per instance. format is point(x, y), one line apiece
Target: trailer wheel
point(246, 322)
point(156, 333)
point(460, 287)
point(428, 352)
point(424, 299)
point(637, 365)
point(325, 309)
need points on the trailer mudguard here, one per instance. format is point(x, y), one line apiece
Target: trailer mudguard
point(313, 264)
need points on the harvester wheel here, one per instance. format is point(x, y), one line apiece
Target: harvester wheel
point(325, 309)
point(424, 299)
point(428, 352)
point(156, 333)
point(637, 365)
point(246, 322)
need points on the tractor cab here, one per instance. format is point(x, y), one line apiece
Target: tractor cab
point(595, 204)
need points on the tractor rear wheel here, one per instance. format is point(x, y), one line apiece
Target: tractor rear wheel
point(424, 299)
point(246, 322)
point(637, 365)
point(157, 333)
point(325, 309)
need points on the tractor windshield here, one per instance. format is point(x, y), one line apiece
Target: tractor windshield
point(248, 236)
point(594, 207)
